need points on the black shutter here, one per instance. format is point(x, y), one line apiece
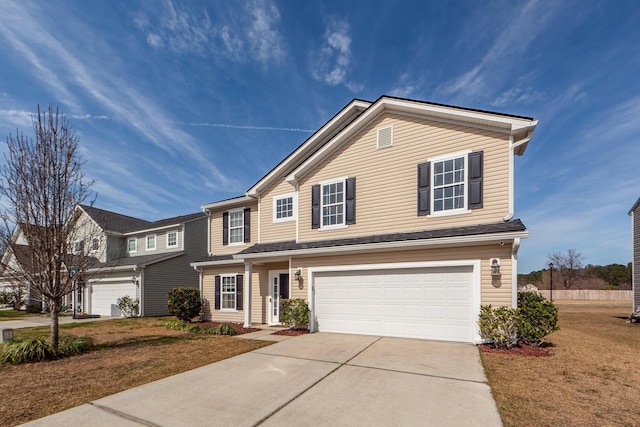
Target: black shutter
point(216, 303)
point(475, 179)
point(351, 201)
point(315, 206)
point(247, 225)
point(424, 178)
point(225, 228)
point(239, 292)
point(284, 286)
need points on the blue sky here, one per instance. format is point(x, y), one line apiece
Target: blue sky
point(181, 103)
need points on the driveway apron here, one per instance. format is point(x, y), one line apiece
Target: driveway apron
point(316, 380)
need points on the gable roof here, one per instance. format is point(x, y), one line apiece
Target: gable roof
point(123, 224)
point(634, 207)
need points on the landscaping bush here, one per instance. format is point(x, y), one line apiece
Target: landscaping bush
point(33, 308)
point(294, 312)
point(225, 329)
point(176, 325)
point(498, 325)
point(537, 318)
point(128, 306)
point(39, 349)
point(184, 303)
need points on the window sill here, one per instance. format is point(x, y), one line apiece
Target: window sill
point(228, 310)
point(237, 244)
point(449, 213)
point(333, 227)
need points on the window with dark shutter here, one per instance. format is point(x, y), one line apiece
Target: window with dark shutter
point(247, 225)
point(475, 179)
point(424, 178)
point(315, 206)
point(217, 293)
point(239, 292)
point(350, 199)
point(225, 228)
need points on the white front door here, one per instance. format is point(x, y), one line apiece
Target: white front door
point(276, 282)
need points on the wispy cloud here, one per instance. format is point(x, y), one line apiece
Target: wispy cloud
point(331, 63)
point(251, 33)
point(406, 86)
point(248, 127)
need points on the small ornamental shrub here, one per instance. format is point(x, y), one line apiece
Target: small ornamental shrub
point(294, 312)
point(33, 308)
point(498, 325)
point(39, 349)
point(184, 303)
point(225, 329)
point(537, 318)
point(128, 306)
point(70, 346)
point(176, 325)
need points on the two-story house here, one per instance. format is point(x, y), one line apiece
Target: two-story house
point(138, 258)
point(395, 218)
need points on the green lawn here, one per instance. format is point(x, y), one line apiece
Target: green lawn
point(11, 314)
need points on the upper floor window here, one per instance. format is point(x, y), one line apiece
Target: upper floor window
point(132, 244)
point(450, 184)
point(236, 227)
point(78, 246)
point(172, 239)
point(283, 208)
point(151, 242)
point(95, 244)
point(333, 203)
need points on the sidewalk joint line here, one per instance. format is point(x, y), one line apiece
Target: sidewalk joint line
point(125, 416)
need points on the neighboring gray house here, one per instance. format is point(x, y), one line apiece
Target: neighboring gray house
point(141, 259)
point(635, 221)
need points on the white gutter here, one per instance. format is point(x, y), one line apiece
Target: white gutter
point(512, 150)
point(514, 272)
point(230, 202)
point(197, 265)
point(432, 242)
point(133, 233)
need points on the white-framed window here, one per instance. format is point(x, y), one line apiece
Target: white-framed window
point(332, 206)
point(151, 242)
point(228, 292)
point(95, 244)
point(449, 184)
point(284, 208)
point(78, 246)
point(236, 227)
point(132, 245)
point(172, 239)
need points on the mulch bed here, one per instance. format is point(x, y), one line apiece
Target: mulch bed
point(238, 326)
point(292, 332)
point(517, 350)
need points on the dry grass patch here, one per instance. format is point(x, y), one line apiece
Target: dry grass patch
point(131, 352)
point(591, 379)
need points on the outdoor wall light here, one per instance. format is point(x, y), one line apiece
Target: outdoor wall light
point(298, 274)
point(495, 267)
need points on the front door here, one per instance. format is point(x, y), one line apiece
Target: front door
point(278, 289)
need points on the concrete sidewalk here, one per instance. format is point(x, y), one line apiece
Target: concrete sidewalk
point(35, 321)
point(316, 380)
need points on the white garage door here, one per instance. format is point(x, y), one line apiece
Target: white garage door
point(104, 297)
point(428, 303)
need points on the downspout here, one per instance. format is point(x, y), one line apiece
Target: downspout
point(208, 212)
point(141, 281)
point(514, 272)
point(512, 148)
point(259, 212)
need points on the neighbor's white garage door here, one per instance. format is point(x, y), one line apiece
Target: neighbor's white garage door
point(428, 303)
point(104, 297)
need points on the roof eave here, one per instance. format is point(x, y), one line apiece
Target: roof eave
point(226, 203)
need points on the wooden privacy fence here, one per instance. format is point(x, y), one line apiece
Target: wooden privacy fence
point(588, 295)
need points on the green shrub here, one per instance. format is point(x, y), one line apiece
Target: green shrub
point(184, 303)
point(225, 329)
point(39, 349)
point(128, 306)
point(70, 346)
point(498, 325)
point(537, 318)
point(294, 312)
point(176, 325)
point(33, 308)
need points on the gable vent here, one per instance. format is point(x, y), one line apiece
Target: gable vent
point(385, 137)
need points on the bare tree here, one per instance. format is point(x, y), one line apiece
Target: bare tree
point(41, 182)
point(569, 265)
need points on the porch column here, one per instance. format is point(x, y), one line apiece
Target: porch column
point(247, 294)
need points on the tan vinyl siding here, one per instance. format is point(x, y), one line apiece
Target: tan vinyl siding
point(209, 292)
point(494, 292)
point(217, 248)
point(271, 231)
point(386, 179)
point(636, 258)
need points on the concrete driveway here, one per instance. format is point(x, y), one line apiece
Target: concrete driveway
point(316, 380)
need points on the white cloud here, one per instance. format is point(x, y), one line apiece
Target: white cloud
point(406, 87)
point(331, 63)
point(264, 39)
point(517, 95)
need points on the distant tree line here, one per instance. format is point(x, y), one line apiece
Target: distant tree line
point(570, 273)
